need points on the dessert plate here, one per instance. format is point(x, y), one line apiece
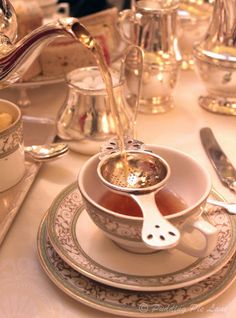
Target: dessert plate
point(84, 247)
point(126, 302)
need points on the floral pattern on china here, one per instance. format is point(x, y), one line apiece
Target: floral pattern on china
point(65, 213)
point(127, 302)
point(9, 141)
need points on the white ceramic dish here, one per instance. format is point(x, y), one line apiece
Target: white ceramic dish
point(131, 303)
point(188, 180)
point(85, 248)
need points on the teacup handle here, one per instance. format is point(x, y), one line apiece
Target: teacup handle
point(206, 229)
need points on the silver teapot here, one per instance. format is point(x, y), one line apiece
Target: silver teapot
point(193, 20)
point(152, 25)
point(215, 58)
point(16, 57)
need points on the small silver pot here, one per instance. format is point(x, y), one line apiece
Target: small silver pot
point(86, 119)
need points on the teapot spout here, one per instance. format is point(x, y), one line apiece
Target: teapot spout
point(16, 59)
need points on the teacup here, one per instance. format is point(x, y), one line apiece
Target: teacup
point(12, 160)
point(188, 181)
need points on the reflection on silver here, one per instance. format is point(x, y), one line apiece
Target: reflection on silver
point(135, 172)
point(215, 58)
point(193, 21)
point(86, 113)
point(140, 174)
point(152, 25)
point(86, 116)
point(133, 59)
point(8, 22)
point(113, 145)
point(15, 59)
point(47, 152)
point(221, 163)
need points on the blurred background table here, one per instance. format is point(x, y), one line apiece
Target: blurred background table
point(25, 289)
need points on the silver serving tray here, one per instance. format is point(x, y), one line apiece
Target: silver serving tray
point(36, 131)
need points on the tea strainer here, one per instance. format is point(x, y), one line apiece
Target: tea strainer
point(141, 174)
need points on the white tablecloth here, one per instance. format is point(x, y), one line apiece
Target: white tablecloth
point(25, 290)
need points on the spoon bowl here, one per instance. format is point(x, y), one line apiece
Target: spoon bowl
point(46, 152)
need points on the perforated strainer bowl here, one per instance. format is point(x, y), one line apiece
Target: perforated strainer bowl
point(141, 174)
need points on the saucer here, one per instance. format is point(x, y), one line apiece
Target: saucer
point(126, 302)
point(84, 247)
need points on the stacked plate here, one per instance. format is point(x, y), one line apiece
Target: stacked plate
point(90, 268)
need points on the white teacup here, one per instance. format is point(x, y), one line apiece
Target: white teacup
point(189, 180)
point(12, 160)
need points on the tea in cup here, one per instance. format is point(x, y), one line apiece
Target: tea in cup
point(12, 160)
point(181, 201)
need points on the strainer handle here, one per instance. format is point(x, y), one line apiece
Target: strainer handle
point(134, 56)
point(157, 232)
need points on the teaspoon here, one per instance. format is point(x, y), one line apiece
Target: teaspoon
point(230, 207)
point(46, 152)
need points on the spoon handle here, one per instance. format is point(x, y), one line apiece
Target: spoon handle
point(157, 232)
point(217, 203)
point(46, 152)
point(230, 207)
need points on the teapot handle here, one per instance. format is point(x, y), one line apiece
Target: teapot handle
point(132, 62)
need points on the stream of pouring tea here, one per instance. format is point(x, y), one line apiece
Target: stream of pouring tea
point(109, 87)
point(84, 37)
